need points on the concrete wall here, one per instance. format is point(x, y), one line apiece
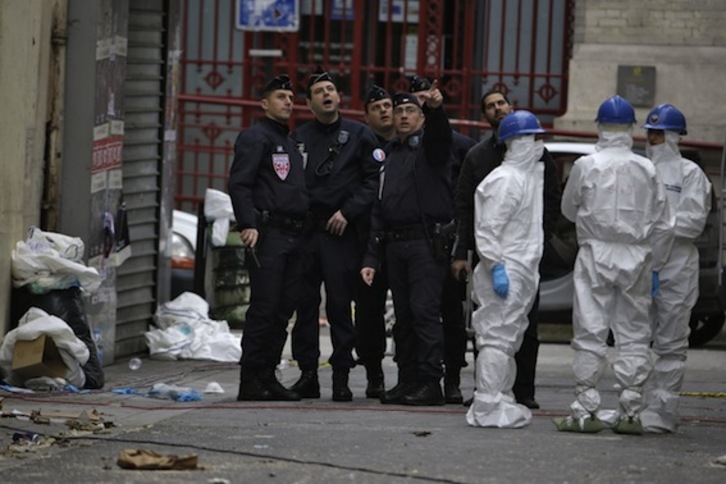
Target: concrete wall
point(25, 46)
point(684, 40)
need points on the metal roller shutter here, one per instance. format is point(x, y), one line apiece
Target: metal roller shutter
point(142, 158)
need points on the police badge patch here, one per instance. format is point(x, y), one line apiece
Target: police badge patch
point(343, 137)
point(379, 155)
point(281, 164)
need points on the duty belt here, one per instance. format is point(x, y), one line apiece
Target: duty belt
point(318, 224)
point(318, 219)
point(289, 223)
point(409, 233)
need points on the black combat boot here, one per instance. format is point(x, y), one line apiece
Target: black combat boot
point(375, 387)
point(260, 384)
point(395, 394)
point(341, 392)
point(307, 386)
point(425, 393)
point(452, 393)
point(528, 402)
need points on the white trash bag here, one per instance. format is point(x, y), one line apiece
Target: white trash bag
point(32, 325)
point(218, 207)
point(47, 261)
point(195, 340)
point(187, 306)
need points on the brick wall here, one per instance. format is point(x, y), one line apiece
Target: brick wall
point(685, 40)
point(654, 22)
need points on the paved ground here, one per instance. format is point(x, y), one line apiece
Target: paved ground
point(363, 441)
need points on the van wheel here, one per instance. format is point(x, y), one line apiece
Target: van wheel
point(704, 328)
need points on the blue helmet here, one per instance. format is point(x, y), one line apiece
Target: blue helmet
point(519, 123)
point(616, 110)
point(667, 117)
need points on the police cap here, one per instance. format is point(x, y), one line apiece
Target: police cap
point(318, 76)
point(376, 93)
point(404, 98)
point(278, 82)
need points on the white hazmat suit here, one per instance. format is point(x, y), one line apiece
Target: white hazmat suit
point(508, 231)
point(688, 191)
point(624, 231)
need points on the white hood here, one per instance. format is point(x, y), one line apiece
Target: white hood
point(523, 151)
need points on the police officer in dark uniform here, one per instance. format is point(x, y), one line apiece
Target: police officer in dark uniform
point(270, 201)
point(479, 162)
point(414, 200)
point(370, 306)
point(341, 177)
point(452, 313)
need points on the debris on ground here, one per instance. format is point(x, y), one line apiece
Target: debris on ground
point(142, 459)
point(24, 442)
point(174, 392)
point(46, 418)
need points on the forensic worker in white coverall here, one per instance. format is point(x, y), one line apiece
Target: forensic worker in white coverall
point(688, 191)
point(509, 240)
point(624, 232)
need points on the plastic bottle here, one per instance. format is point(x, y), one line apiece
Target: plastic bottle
point(134, 364)
point(98, 340)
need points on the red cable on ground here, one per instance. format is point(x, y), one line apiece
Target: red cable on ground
point(316, 408)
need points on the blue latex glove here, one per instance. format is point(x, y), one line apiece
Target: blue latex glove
point(656, 284)
point(500, 280)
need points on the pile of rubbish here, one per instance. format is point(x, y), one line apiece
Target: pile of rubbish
point(52, 341)
point(184, 331)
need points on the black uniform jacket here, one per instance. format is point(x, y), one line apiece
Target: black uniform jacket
point(340, 171)
point(415, 183)
point(267, 174)
point(460, 147)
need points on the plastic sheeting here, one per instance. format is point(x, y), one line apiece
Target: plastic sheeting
point(186, 332)
point(218, 208)
point(47, 261)
point(66, 304)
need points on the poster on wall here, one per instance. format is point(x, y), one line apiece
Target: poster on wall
point(268, 15)
point(107, 168)
point(108, 137)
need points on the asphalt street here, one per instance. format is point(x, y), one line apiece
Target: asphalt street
point(362, 441)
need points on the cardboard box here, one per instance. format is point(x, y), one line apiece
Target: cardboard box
point(39, 357)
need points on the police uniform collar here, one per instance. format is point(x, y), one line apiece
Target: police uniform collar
point(412, 140)
point(331, 126)
point(276, 125)
point(383, 141)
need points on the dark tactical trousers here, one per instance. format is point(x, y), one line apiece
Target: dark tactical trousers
point(275, 289)
point(416, 280)
point(334, 261)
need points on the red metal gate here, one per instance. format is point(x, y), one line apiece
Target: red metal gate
point(519, 46)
